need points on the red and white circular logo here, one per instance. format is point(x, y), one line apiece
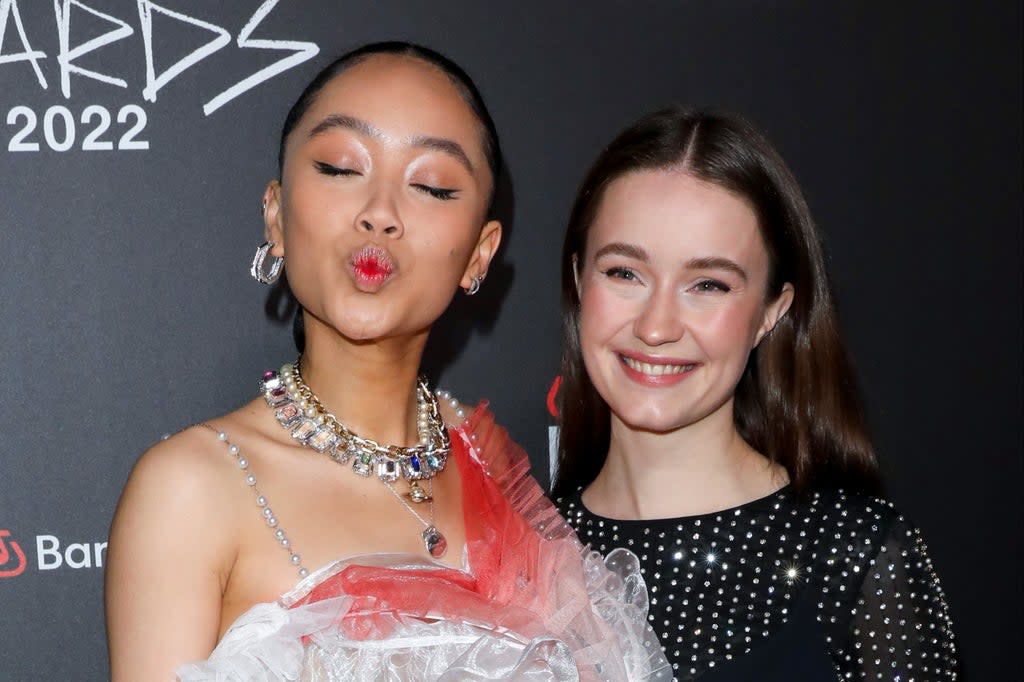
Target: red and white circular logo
point(12, 561)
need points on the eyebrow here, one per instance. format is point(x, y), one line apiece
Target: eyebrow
point(443, 144)
point(440, 144)
point(343, 121)
point(706, 263)
point(717, 263)
point(622, 249)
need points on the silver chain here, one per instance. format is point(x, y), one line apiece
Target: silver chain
point(430, 502)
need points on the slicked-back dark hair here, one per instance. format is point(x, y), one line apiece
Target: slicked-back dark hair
point(797, 401)
point(459, 78)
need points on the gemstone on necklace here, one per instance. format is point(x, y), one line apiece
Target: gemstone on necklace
point(387, 470)
point(412, 468)
point(303, 430)
point(287, 414)
point(434, 462)
point(276, 397)
point(434, 542)
point(322, 440)
point(340, 451)
point(361, 464)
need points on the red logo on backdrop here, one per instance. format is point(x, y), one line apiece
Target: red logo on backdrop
point(553, 396)
point(5, 556)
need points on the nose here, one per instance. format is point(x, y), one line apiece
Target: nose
point(380, 216)
point(660, 320)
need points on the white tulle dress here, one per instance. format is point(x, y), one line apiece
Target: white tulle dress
point(530, 603)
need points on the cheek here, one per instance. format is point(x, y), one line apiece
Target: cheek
point(731, 331)
point(602, 313)
point(313, 215)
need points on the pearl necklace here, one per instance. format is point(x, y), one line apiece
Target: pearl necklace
point(299, 410)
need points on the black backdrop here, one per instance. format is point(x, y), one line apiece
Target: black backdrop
point(127, 311)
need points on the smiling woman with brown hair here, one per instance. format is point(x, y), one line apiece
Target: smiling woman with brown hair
point(711, 421)
point(431, 553)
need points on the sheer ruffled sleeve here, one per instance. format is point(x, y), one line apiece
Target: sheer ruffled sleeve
point(900, 627)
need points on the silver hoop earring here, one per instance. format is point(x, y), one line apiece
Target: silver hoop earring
point(276, 266)
point(474, 286)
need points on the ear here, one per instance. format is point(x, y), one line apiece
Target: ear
point(273, 229)
point(774, 311)
point(483, 252)
point(576, 273)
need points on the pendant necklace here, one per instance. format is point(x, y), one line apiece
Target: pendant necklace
point(298, 409)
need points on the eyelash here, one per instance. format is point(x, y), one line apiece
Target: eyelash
point(437, 192)
point(621, 273)
point(334, 171)
point(709, 285)
point(705, 286)
point(441, 193)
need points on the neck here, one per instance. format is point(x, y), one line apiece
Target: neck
point(700, 468)
point(370, 386)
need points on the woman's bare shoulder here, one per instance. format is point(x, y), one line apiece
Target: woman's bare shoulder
point(191, 472)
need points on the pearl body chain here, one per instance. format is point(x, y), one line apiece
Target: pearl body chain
point(261, 500)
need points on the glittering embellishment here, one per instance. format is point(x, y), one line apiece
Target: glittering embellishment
point(362, 463)
point(418, 494)
point(721, 583)
point(435, 542)
point(303, 430)
point(387, 470)
point(322, 440)
point(288, 414)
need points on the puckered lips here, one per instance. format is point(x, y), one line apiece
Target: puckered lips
point(655, 371)
point(371, 267)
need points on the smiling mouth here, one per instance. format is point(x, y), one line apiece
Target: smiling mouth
point(656, 369)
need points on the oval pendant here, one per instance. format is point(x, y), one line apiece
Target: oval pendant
point(434, 542)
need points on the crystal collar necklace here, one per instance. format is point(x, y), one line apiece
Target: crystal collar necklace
point(299, 410)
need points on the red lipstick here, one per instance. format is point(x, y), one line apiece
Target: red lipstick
point(371, 267)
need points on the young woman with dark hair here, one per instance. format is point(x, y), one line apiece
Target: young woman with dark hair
point(711, 420)
point(431, 554)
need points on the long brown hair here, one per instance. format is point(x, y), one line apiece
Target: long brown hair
point(797, 401)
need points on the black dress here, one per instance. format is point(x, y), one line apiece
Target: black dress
point(831, 586)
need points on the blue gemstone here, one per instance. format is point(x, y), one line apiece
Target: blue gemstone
point(414, 462)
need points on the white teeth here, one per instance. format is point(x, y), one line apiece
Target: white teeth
point(656, 370)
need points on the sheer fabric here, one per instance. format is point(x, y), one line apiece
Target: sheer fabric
point(530, 603)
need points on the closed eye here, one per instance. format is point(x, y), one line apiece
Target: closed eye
point(334, 171)
point(442, 193)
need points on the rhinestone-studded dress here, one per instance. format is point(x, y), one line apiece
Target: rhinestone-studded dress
point(833, 586)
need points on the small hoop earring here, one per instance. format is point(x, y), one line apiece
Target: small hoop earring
point(474, 286)
point(276, 266)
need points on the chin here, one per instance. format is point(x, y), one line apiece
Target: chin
point(652, 420)
point(363, 327)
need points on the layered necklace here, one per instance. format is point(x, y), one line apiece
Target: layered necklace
point(298, 409)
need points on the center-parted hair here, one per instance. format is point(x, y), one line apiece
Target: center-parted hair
point(797, 401)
